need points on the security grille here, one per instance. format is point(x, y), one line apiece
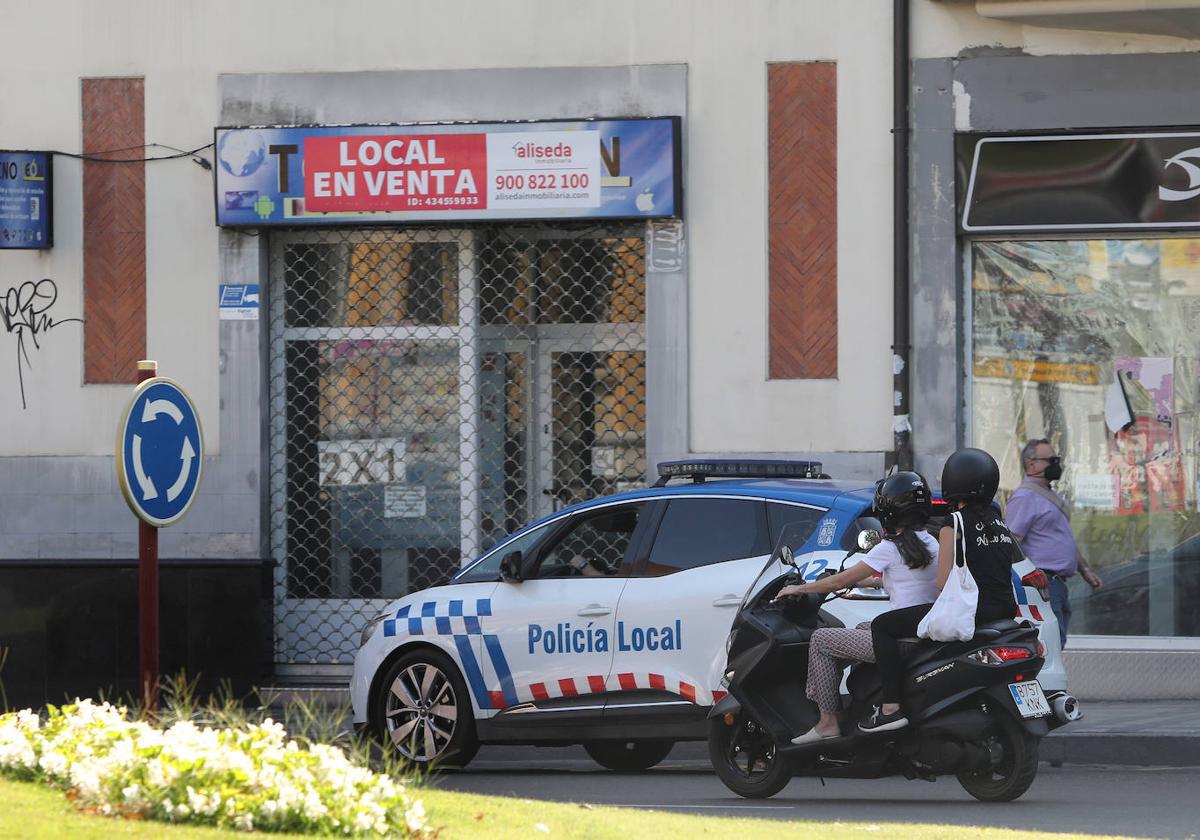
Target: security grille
point(431, 391)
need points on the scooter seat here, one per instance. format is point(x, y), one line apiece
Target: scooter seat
point(914, 651)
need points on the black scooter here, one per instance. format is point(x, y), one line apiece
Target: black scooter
point(975, 708)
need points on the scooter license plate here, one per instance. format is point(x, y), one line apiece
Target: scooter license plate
point(1030, 699)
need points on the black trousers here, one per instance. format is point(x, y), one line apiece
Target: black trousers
point(890, 627)
point(886, 632)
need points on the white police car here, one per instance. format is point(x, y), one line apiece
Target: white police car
point(605, 623)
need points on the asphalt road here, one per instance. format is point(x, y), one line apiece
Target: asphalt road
point(1132, 801)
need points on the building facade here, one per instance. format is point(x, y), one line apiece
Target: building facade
point(385, 391)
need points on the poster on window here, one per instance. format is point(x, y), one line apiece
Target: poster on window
point(1145, 456)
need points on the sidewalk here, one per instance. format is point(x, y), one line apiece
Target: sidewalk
point(1149, 733)
point(1163, 733)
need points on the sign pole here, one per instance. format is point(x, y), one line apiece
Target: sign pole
point(148, 590)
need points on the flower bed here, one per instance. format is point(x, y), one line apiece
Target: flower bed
point(246, 776)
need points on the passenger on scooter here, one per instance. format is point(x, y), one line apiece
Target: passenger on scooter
point(906, 559)
point(970, 479)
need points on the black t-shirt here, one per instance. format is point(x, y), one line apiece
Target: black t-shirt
point(990, 555)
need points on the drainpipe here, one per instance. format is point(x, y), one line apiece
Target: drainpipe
point(902, 455)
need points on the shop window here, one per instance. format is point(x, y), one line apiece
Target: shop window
point(1095, 344)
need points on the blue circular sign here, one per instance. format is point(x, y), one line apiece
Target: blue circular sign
point(160, 452)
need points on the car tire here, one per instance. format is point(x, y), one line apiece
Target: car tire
point(422, 712)
point(745, 758)
point(628, 755)
point(1014, 772)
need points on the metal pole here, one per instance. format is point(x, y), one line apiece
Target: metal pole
point(148, 590)
point(901, 340)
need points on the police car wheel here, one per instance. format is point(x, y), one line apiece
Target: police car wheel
point(423, 711)
point(628, 755)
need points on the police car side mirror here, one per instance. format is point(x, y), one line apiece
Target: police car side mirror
point(510, 567)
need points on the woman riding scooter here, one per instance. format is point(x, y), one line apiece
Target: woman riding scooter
point(906, 559)
point(970, 479)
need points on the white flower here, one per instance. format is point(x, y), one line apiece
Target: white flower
point(244, 822)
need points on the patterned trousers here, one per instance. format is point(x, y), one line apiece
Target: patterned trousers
point(830, 650)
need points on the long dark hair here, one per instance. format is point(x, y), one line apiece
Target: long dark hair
point(912, 548)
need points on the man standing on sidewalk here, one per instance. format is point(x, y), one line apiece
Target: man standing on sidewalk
point(1041, 520)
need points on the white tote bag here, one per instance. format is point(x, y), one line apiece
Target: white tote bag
point(952, 618)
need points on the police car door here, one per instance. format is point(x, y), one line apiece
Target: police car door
point(676, 610)
point(675, 613)
point(553, 642)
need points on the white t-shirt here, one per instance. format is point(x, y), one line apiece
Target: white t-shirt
point(906, 587)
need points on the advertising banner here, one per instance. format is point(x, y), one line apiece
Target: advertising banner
point(604, 169)
point(25, 200)
point(1061, 182)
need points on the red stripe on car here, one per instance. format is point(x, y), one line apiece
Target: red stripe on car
point(539, 691)
point(687, 691)
point(628, 683)
point(497, 698)
point(567, 687)
point(657, 681)
point(596, 684)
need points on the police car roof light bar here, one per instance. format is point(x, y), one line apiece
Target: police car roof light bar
point(700, 469)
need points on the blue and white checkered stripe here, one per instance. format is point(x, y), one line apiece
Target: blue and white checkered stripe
point(441, 619)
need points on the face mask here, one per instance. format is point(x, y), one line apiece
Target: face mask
point(1054, 471)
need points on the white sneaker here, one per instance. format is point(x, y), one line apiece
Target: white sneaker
point(811, 737)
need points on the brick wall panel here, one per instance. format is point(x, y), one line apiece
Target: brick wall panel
point(114, 230)
point(802, 227)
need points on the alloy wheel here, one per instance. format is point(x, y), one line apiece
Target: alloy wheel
point(421, 712)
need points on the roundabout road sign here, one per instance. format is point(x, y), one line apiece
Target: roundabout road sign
point(160, 450)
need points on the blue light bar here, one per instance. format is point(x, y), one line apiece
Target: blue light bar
point(700, 469)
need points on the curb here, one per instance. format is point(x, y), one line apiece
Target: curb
point(1142, 750)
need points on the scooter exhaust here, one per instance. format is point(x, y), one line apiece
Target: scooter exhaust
point(1065, 707)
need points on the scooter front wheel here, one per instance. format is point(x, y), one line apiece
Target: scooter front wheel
point(1013, 772)
point(745, 758)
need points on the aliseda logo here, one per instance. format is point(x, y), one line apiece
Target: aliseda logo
point(1184, 160)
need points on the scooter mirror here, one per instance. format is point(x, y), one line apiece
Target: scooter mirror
point(868, 539)
point(786, 556)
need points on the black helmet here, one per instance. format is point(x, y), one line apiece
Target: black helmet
point(903, 500)
point(970, 475)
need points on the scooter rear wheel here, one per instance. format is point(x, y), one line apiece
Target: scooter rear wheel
point(745, 758)
point(1016, 769)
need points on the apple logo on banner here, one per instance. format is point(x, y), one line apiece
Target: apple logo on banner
point(645, 201)
point(1184, 161)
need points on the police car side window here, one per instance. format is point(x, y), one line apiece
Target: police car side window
point(700, 532)
point(594, 546)
point(803, 521)
point(488, 569)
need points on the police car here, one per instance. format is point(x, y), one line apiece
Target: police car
point(605, 623)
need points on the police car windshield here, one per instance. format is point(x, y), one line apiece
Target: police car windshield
point(782, 557)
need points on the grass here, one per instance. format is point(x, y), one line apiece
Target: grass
point(31, 811)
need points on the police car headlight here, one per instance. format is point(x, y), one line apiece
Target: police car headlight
point(369, 630)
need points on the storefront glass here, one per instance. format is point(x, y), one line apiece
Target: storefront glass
point(1095, 344)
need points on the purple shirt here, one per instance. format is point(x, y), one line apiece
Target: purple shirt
point(1045, 533)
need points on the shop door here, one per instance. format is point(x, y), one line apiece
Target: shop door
point(430, 391)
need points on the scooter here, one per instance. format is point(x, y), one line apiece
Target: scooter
point(975, 708)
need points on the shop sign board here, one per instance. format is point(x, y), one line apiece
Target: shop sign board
point(372, 174)
point(1136, 181)
point(26, 190)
